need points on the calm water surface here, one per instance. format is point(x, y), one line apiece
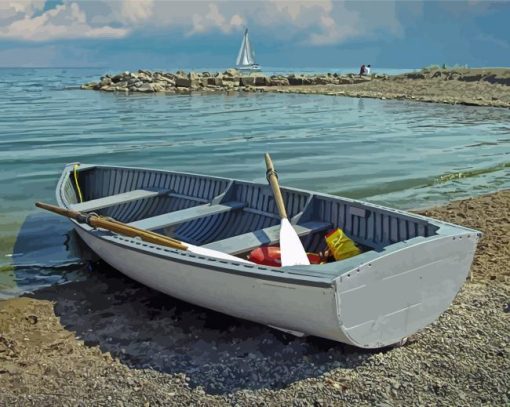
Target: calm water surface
point(401, 154)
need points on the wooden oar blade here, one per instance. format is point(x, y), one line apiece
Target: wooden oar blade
point(291, 248)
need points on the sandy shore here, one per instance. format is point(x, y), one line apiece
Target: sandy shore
point(110, 341)
point(473, 87)
point(420, 90)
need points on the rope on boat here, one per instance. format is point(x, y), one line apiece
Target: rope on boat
point(270, 172)
point(76, 182)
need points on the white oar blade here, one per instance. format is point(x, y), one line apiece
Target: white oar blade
point(291, 248)
point(202, 251)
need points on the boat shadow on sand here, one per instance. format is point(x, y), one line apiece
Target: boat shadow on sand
point(148, 329)
point(144, 328)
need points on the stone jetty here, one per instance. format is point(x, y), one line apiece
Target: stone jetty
point(230, 80)
point(467, 86)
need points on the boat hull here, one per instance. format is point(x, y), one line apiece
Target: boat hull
point(278, 304)
point(374, 305)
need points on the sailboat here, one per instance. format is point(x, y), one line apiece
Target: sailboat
point(246, 58)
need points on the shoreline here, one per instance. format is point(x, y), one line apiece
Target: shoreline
point(111, 341)
point(488, 87)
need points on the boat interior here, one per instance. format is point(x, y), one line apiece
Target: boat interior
point(231, 216)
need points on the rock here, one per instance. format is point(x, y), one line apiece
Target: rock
point(146, 88)
point(183, 82)
point(231, 81)
point(117, 78)
point(107, 88)
point(261, 80)
point(415, 75)
point(231, 72)
point(322, 80)
point(471, 78)
point(159, 86)
point(32, 319)
point(295, 80)
point(278, 81)
point(89, 86)
point(215, 81)
point(247, 81)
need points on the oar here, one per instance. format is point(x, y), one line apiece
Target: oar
point(122, 229)
point(291, 248)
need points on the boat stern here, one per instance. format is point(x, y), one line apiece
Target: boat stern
point(385, 300)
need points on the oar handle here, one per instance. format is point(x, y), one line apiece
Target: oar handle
point(62, 211)
point(115, 226)
point(273, 180)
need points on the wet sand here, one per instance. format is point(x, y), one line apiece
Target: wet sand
point(110, 341)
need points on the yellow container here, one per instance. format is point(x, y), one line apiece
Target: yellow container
point(340, 245)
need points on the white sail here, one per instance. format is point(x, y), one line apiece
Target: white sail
point(246, 55)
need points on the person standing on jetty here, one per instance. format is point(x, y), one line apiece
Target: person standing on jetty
point(367, 70)
point(362, 70)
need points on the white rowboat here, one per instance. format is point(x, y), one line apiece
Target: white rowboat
point(410, 271)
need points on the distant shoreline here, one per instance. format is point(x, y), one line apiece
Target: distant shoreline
point(464, 86)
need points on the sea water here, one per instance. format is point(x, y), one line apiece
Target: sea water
point(396, 153)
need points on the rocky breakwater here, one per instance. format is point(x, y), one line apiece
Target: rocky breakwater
point(230, 80)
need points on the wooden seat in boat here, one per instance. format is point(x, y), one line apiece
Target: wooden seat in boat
point(271, 235)
point(185, 215)
point(100, 203)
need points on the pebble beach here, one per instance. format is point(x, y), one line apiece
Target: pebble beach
point(110, 341)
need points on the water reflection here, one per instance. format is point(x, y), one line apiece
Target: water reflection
point(46, 251)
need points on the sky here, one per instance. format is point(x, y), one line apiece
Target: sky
point(164, 34)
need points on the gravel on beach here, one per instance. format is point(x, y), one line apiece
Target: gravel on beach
point(110, 341)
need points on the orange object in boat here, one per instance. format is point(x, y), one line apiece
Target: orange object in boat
point(271, 256)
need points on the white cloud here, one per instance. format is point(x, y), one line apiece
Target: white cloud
point(65, 21)
point(136, 11)
point(16, 8)
point(215, 20)
point(297, 9)
point(312, 22)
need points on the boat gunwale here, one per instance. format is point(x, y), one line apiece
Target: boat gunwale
point(179, 256)
point(361, 203)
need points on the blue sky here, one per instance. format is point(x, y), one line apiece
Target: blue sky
point(193, 34)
